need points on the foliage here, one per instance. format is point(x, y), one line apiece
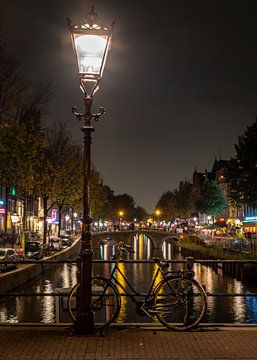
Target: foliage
point(99, 194)
point(211, 199)
point(140, 214)
point(241, 172)
point(12, 86)
point(124, 203)
point(177, 203)
point(184, 200)
point(166, 205)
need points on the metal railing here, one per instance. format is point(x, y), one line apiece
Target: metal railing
point(185, 261)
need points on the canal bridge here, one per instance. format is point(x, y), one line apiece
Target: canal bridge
point(156, 237)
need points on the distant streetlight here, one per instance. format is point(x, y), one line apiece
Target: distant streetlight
point(91, 43)
point(158, 213)
point(121, 213)
point(67, 218)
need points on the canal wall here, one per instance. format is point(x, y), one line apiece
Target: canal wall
point(236, 270)
point(11, 280)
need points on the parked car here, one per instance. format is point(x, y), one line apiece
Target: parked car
point(55, 244)
point(34, 250)
point(8, 254)
point(66, 242)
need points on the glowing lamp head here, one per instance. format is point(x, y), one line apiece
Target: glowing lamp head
point(90, 50)
point(91, 43)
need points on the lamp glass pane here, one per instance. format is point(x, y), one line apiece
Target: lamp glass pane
point(90, 52)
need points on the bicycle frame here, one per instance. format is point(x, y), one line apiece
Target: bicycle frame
point(132, 293)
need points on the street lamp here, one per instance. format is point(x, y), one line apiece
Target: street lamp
point(67, 218)
point(121, 213)
point(91, 43)
point(157, 213)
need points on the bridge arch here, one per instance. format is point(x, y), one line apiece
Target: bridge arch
point(156, 237)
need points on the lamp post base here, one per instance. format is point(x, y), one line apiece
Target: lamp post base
point(84, 324)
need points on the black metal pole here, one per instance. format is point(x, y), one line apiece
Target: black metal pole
point(84, 323)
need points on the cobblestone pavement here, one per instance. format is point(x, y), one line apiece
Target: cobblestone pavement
point(58, 343)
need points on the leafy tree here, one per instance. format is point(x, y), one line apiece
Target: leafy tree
point(211, 199)
point(12, 85)
point(107, 210)
point(167, 205)
point(184, 199)
point(140, 214)
point(67, 189)
point(241, 172)
point(50, 167)
point(98, 195)
point(125, 203)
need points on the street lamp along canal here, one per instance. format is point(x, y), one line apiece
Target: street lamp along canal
point(91, 43)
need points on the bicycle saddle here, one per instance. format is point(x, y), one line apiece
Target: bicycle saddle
point(162, 264)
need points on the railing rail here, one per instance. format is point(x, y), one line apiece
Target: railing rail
point(196, 261)
point(184, 261)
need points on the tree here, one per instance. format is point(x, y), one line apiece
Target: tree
point(211, 199)
point(12, 85)
point(124, 203)
point(166, 204)
point(241, 172)
point(67, 189)
point(140, 214)
point(184, 199)
point(51, 167)
point(98, 195)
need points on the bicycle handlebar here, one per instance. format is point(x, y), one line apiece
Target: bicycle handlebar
point(124, 247)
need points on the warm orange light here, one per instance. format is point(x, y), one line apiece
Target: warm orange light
point(121, 213)
point(157, 212)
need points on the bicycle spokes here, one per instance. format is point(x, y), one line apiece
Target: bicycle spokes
point(105, 302)
point(180, 303)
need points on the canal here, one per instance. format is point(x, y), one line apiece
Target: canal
point(43, 309)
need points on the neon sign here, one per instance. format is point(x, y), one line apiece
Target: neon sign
point(251, 218)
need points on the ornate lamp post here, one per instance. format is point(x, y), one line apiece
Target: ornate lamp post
point(91, 43)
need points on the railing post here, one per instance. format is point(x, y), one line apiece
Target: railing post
point(190, 260)
point(190, 295)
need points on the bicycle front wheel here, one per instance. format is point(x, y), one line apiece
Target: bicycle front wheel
point(180, 303)
point(105, 302)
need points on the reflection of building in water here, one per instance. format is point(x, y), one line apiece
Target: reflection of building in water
point(106, 253)
point(20, 307)
point(123, 306)
point(47, 304)
point(251, 306)
point(205, 276)
point(73, 271)
point(65, 276)
point(3, 314)
point(68, 275)
point(142, 247)
point(167, 250)
point(158, 279)
point(239, 306)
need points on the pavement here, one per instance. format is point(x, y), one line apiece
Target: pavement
point(18, 342)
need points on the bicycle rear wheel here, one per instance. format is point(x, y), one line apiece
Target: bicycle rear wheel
point(105, 302)
point(179, 303)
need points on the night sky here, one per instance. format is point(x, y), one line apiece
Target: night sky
point(179, 86)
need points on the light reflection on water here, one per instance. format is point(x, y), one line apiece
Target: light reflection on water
point(219, 309)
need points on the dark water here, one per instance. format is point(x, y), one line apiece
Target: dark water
point(43, 309)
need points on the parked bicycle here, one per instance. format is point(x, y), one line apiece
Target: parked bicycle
point(177, 300)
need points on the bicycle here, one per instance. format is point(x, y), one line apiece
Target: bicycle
point(177, 301)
